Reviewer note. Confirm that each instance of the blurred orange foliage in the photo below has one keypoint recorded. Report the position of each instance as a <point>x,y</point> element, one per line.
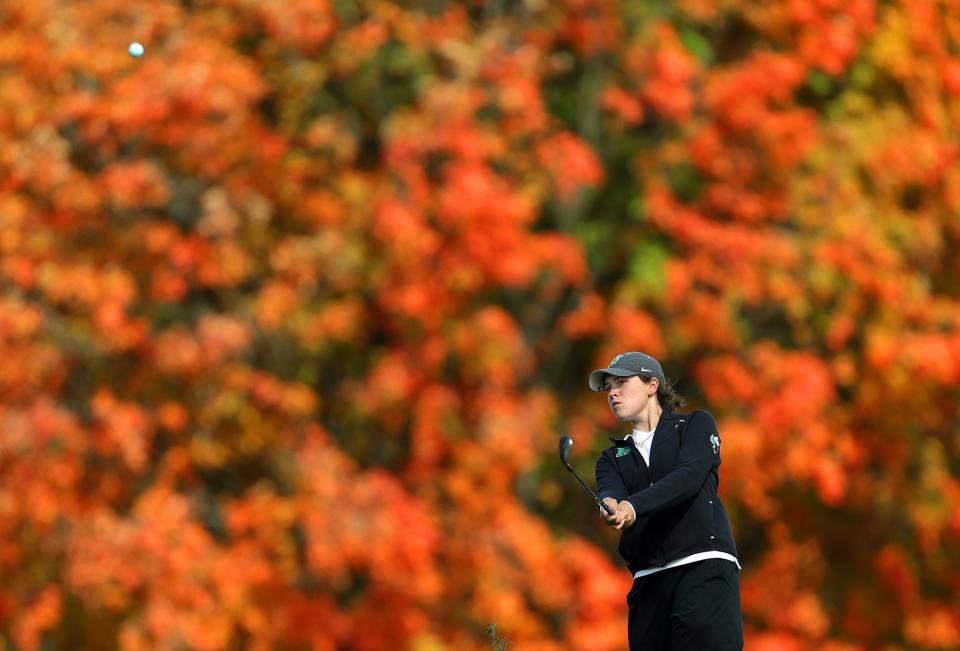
<point>293,308</point>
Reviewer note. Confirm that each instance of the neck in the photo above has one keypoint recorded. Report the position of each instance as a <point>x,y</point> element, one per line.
<point>649,418</point>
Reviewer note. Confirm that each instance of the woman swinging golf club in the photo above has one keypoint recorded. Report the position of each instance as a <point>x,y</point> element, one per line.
<point>661,483</point>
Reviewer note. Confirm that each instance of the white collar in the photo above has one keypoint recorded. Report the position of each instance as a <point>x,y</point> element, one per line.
<point>640,438</point>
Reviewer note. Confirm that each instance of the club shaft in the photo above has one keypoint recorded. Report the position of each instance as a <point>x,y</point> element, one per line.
<point>596,498</point>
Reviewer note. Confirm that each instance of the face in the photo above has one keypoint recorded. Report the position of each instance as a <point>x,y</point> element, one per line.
<point>629,397</point>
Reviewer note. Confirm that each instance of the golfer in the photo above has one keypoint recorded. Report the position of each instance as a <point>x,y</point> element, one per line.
<point>661,481</point>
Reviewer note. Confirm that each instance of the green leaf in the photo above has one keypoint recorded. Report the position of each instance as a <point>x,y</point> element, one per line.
<point>697,45</point>
<point>647,266</point>
<point>819,83</point>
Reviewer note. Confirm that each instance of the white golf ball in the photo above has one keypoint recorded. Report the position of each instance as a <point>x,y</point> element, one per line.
<point>135,49</point>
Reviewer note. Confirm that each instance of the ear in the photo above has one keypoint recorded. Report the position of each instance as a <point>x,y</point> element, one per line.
<point>653,385</point>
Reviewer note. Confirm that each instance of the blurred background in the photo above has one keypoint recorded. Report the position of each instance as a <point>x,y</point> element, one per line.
<point>295,306</point>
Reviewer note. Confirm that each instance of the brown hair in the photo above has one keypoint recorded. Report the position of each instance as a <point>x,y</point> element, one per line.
<point>667,396</point>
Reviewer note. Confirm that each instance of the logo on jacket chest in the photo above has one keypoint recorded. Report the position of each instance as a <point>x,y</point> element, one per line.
<point>715,443</point>
<point>622,452</point>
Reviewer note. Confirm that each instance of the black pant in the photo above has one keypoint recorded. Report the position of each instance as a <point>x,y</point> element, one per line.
<point>693,607</point>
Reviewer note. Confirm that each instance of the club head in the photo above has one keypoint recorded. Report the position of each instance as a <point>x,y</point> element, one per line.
<point>566,445</point>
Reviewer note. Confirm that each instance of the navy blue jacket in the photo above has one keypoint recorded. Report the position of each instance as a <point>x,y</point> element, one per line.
<point>678,510</point>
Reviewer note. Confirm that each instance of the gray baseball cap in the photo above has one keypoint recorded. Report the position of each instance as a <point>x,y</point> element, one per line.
<point>627,364</point>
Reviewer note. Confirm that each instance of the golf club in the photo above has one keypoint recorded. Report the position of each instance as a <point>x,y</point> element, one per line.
<point>566,444</point>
